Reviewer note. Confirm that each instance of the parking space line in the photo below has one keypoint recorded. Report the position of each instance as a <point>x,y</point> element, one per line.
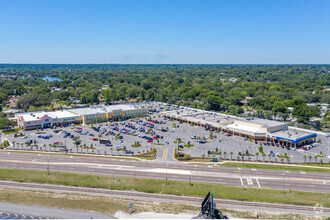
<point>249,181</point>
<point>241,181</point>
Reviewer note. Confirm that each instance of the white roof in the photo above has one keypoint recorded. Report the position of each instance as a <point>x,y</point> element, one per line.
<point>87,111</point>
<point>61,114</point>
<point>110,108</point>
<point>101,109</point>
<point>31,116</point>
<point>244,128</point>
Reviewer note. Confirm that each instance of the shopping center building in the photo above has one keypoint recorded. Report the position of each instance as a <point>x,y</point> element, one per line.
<point>253,128</point>
<point>89,115</point>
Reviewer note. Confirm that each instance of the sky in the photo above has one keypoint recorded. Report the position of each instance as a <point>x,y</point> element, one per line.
<point>165,31</point>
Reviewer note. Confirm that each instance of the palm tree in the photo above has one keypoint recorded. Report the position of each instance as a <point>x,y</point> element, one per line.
<point>231,155</point>
<point>305,158</point>
<point>225,153</point>
<point>17,145</point>
<point>50,147</point>
<point>270,157</point>
<point>310,158</point>
<point>14,144</point>
<point>288,159</point>
<point>315,158</point>
<point>45,146</point>
<point>257,154</point>
<point>22,145</point>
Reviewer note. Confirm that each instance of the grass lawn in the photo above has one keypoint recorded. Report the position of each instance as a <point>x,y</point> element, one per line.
<point>277,167</point>
<point>173,187</point>
<point>188,145</point>
<point>11,131</point>
<point>99,204</point>
<point>74,155</point>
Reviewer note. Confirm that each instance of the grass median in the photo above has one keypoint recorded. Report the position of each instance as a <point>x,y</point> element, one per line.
<point>173,187</point>
<point>301,168</point>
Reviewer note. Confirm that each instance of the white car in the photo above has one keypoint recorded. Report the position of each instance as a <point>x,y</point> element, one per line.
<point>25,137</point>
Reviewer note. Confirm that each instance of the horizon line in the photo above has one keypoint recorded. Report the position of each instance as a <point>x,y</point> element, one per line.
<point>164,64</point>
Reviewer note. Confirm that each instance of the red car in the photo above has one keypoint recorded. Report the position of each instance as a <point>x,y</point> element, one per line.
<point>149,141</point>
<point>155,137</point>
<point>95,139</point>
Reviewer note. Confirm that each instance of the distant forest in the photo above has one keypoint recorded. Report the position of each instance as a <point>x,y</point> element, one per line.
<point>264,90</point>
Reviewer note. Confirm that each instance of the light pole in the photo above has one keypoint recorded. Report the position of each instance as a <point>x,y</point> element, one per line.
<point>283,181</point>
<point>166,171</point>
<point>48,166</point>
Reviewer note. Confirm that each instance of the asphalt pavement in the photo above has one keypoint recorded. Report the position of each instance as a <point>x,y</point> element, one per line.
<point>18,211</point>
<point>258,178</point>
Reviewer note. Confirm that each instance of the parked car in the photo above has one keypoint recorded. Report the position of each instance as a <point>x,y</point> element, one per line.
<point>95,139</point>
<point>64,149</point>
<point>202,142</point>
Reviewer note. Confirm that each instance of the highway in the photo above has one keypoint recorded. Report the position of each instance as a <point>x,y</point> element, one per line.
<point>272,179</point>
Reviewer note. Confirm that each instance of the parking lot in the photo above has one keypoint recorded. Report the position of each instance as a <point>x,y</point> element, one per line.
<point>137,136</point>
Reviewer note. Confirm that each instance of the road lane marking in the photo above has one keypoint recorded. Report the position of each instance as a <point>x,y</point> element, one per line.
<point>287,171</point>
<point>249,181</point>
<point>254,169</point>
<point>303,172</point>
<point>241,181</point>
<point>258,183</point>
